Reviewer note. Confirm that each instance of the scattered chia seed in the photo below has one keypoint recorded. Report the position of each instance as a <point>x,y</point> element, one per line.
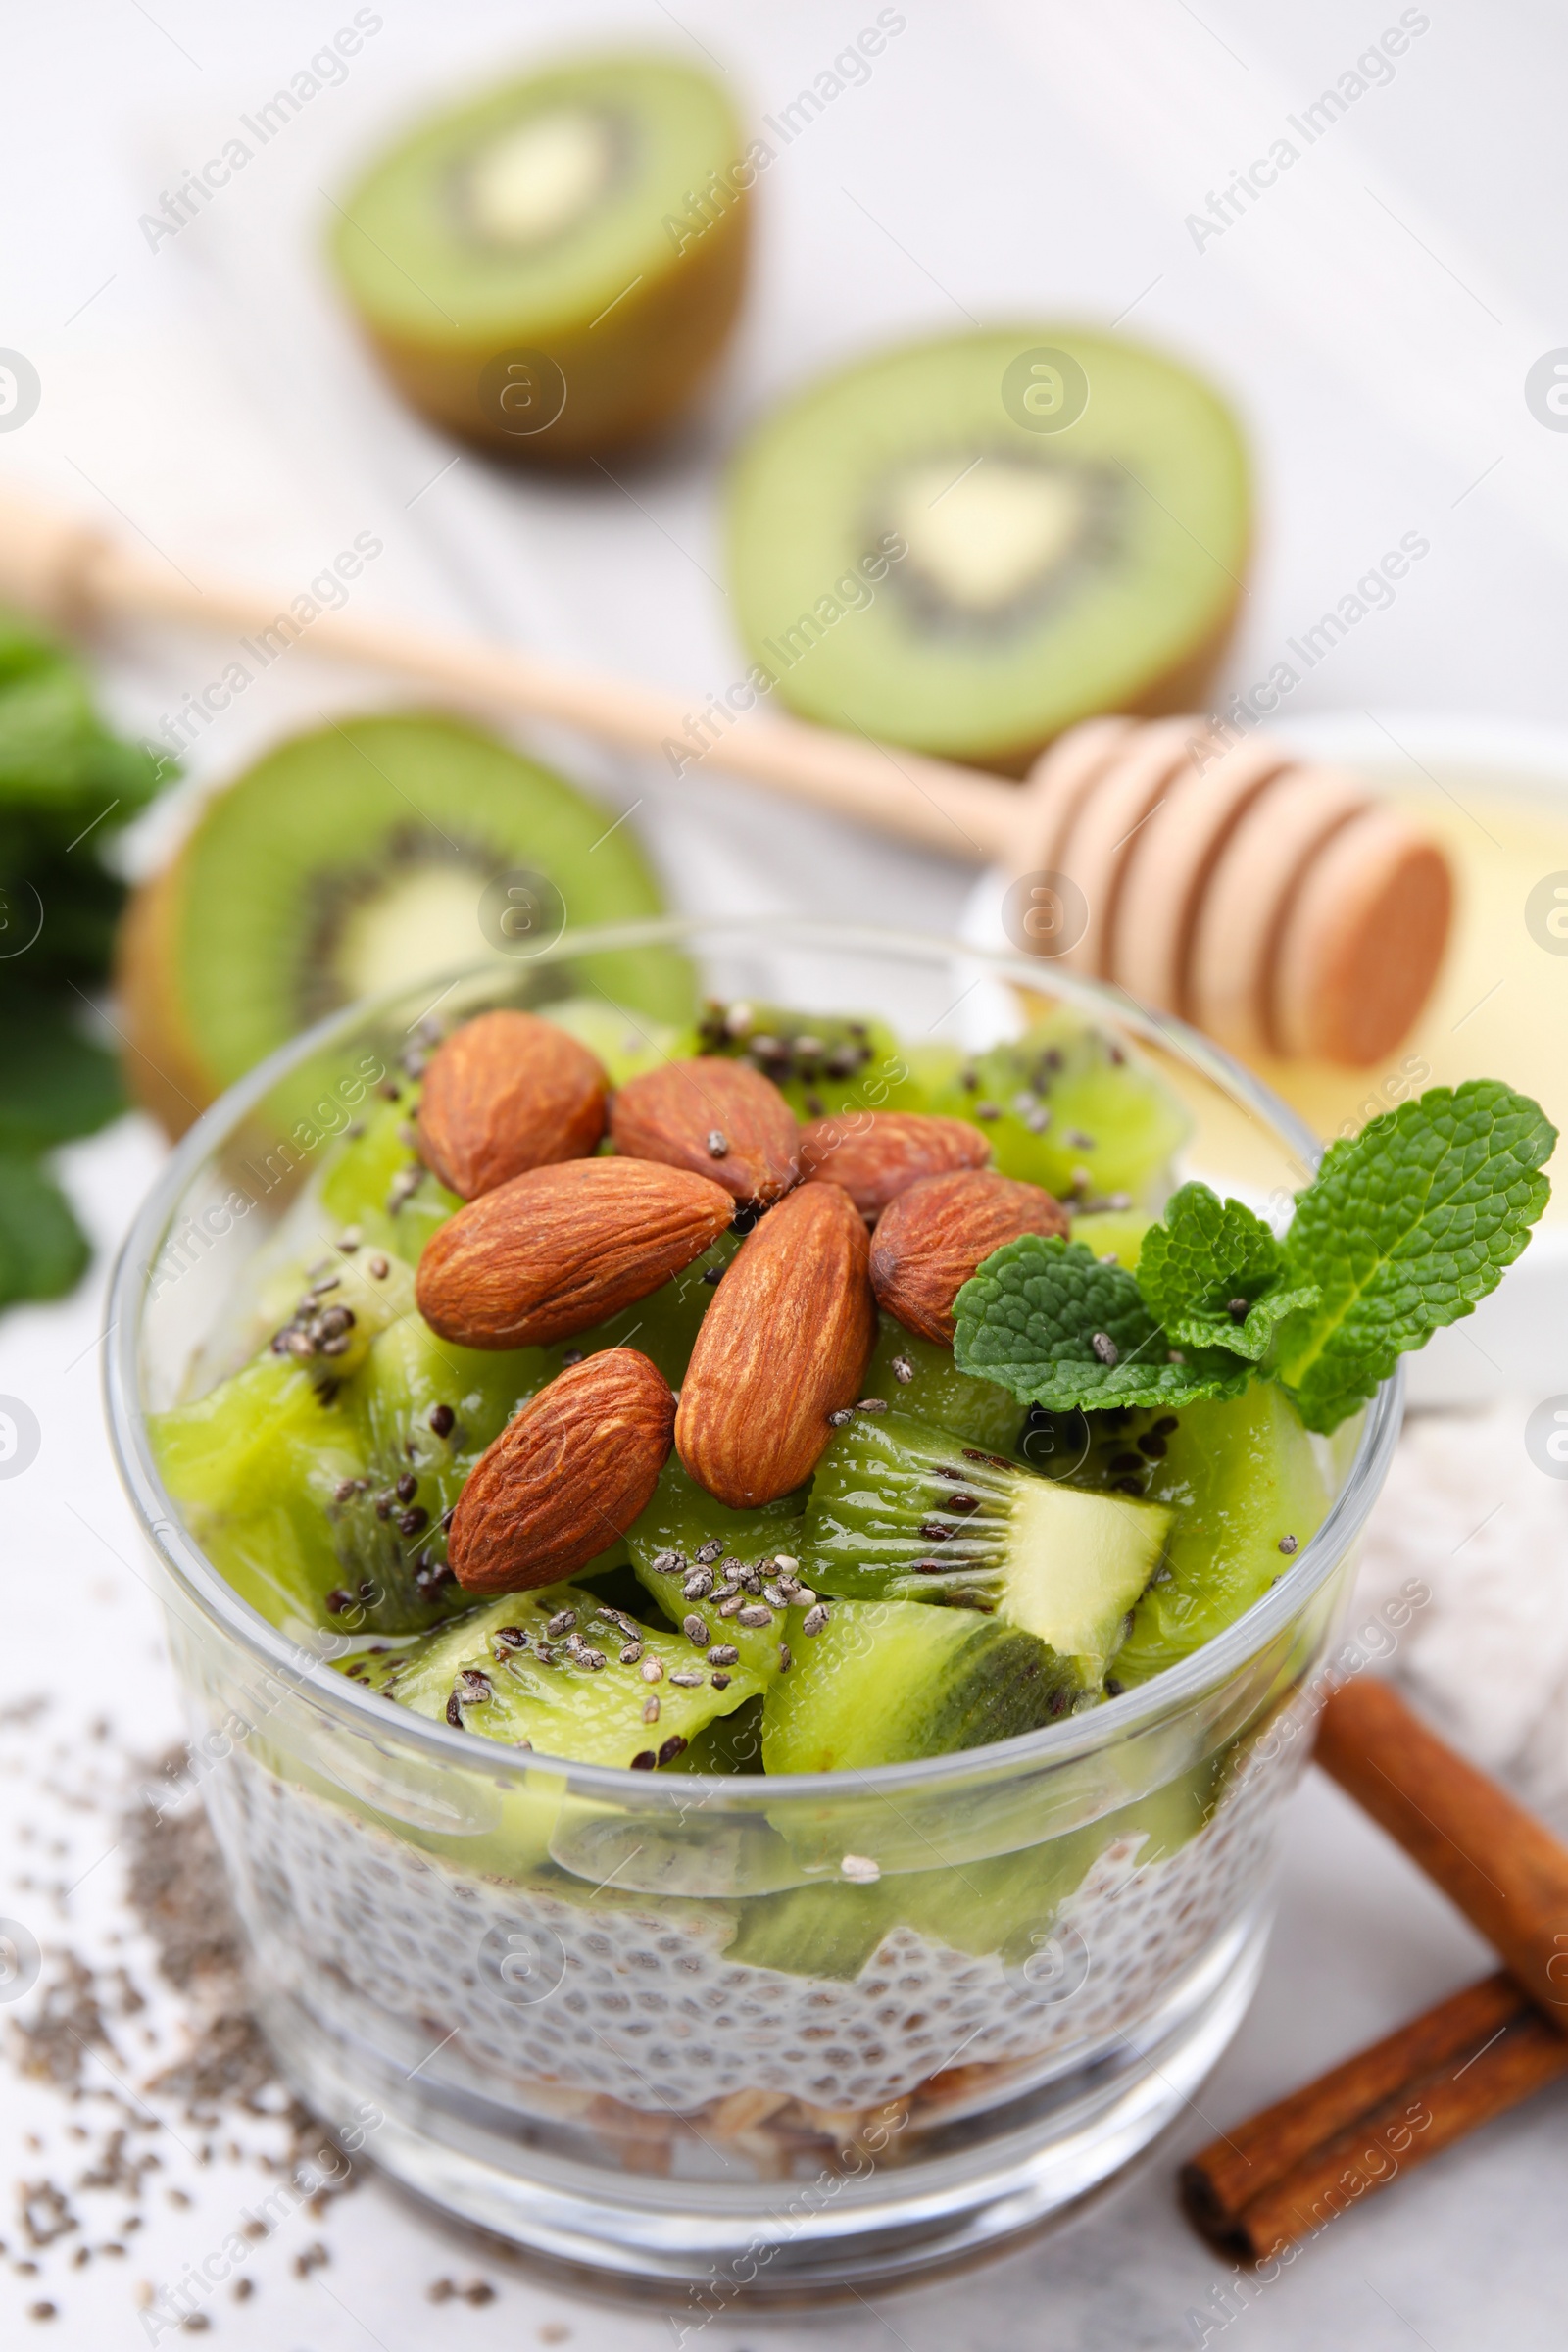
<point>785,1661</point>
<point>723,1654</point>
<point>644,1761</point>
<point>1288,1543</point>
<point>698,1585</point>
<point>672,1747</point>
<point>720,1681</point>
<point>653,1670</point>
<point>665,1563</point>
<point>814,1620</point>
<point>651,1708</point>
<point>1238,1309</point>
<point>718,1144</point>
<point>442,1420</point>
<point>871,1404</point>
<point>713,1275</point>
<point>758,1615</point>
<point>633,1654</point>
<point>903,1370</point>
<point>860,1870</point>
<point>695,1629</point>
<point>570,1356</point>
<point>1104,1347</point>
<point>687,1682</point>
<point>563,1622</point>
<point>732,1604</point>
<point>379,1268</point>
<point>841,1418</point>
<point>987,1110</point>
<point>706,1553</point>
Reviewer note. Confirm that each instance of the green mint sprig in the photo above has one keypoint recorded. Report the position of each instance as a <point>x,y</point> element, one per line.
<point>1061,1328</point>
<point>1404,1229</point>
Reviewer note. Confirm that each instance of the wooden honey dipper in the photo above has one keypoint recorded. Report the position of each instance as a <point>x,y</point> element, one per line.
<point>1275,903</point>
<point>1278,905</point>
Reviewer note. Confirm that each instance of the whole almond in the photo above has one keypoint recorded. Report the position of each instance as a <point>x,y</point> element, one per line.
<point>715,1118</point>
<point>876,1154</point>
<point>506,1093</point>
<point>564,1478</point>
<point>785,1343</point>
<point>559,1249</point>
<point>930,1239</point>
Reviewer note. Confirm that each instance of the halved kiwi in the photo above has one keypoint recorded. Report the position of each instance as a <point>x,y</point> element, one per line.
<point>968,545</point>
<point>550,269</point>
<point>375,852</point>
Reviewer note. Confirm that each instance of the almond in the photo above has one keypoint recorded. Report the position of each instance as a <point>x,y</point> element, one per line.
<point>715,1118</point>
<point>876,1154</point>
<point>506,1093</point>
<point>562,1248</point>
<point>932,1237</point>
<point>564,1478</point>
<point>785,1343</point>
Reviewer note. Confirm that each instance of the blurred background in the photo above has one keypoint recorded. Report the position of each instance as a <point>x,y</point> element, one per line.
<point>1382,314</point>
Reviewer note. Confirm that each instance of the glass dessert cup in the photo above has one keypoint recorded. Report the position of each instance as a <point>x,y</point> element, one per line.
<point>746,2032</point>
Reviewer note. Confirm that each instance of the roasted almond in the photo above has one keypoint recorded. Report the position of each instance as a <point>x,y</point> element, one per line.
<point>565,1477</point>
<point>930,1239</point>
<point>715,1118</point>
<point>506,1093</point>
<point>562,1248</point>
<point>876,1154</point>
<point>784,1344</point>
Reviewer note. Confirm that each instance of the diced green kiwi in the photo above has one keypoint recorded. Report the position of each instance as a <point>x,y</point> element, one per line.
<point>664,1326</point>
<point>696,1557</point>
<point>822,1062</point>
<point>551,269</point>
<point>626,1043</point>
<point>884,1682</point>
<point>358,858</point>
<point>920,1380</point>
<point>373,1186</point>
<point>922,548</point>
<point>899,1511</point>
<point>1067,1107</point>
<point>557,1671</point>
<point>1244,1483</point>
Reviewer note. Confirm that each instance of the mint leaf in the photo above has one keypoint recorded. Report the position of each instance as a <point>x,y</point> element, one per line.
<point>1207,1257</point>
<point>1030,1319</point>
<point>42,1250</point>
<point>1404,1229</point>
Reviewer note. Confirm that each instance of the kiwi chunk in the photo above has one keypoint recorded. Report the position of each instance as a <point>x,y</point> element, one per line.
<point>899,1511</point>
<point>546,1670</point>
<point>358,858</point>
<point>822,1063</point>
<point>921,548</point>
<point>708,1566</point>
<point>1243,1480</point>
<point>1066,1106</point>
<point>887,1681</point>
<point>921,1382</point>
<point>552,269</point>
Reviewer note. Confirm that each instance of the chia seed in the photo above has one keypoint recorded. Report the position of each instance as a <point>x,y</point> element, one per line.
<point>785,1661</point>
<point>1288,1543</point>
<point>695,1629</point>
<point>644,1761</point>
<point>706,1553</point>
<point>562,1623</point>
<point>870,1404</point>
<point>442,1420</point>
<point>687,1682</point>
<point>699,1584</point>
<point>720,1681</point>
<point>755,1616</point>
<point>718,1144</point>
<point>379,1268</point>
<point>653,1670</point>
<point>667,1564</point>
<point>651,1708</point>
<point>723,1654</point>
<point>841,1418</point>
<point>814,1620</point>
<point>1104,1347</point>
<point>631,1656</point>
<point>1238,1309</point>
<point>903,1370</point>
<point>672,1747</point>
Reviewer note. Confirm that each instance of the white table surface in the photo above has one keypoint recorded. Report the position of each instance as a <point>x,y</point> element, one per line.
<point>1374,319</point>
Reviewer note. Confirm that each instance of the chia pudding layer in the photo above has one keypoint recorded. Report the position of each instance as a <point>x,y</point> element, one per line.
<point>626,2010</point>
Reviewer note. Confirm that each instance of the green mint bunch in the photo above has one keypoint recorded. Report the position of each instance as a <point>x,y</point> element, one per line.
<point>1406,1228</point>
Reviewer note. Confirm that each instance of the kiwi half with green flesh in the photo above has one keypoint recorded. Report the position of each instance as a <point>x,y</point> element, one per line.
<point>353,860</point>
<point>1067,1107</point>
<point>899,1511</point>
<point>1243,1480</point>
<point>557,1671</point>
<point>551,269</point>
<point>887,1681</point>
<point>922,548</point>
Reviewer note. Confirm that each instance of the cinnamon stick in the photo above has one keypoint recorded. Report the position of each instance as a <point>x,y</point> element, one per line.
<point>1293,2169</point>
<point>1504,1869</point>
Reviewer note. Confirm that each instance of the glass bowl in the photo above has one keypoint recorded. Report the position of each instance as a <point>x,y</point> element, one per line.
<point>747,2033</point>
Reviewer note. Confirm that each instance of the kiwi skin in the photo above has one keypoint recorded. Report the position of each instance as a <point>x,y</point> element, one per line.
<point>162,1068</point>
<point>626,378</point>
